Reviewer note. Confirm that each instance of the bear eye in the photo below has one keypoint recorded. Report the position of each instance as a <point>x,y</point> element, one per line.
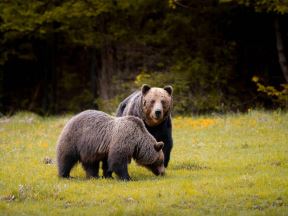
<point>163,101</point>
<point>152,101</point>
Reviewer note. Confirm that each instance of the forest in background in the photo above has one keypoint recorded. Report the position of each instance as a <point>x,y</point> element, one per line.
<point>67,56</point>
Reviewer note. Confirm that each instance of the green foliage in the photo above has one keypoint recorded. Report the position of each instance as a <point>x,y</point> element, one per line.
<point>110,105</point>
<point>220,165</point>
<point>270,6</point>
<point>197,85</point>
<point>188,44</point>
<point>38,18</point>
<point>121,90</point>
<point>279,96</point>
<point>72,96</point>
<point>80,101</point>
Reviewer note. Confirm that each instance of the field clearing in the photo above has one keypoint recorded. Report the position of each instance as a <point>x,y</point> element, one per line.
<point>235,164</point>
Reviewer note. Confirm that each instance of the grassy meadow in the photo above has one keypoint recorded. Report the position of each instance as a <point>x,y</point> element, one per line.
<point>235,164</point>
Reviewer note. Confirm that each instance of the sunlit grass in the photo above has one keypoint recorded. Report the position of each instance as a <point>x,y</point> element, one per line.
<point>232,164</point>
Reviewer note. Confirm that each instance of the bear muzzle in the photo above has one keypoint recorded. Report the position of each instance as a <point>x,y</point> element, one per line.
<point>157,170</point>
<point>161,170</point>
<point>158,114</point>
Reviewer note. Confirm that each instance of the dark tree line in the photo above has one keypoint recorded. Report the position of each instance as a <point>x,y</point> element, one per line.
<point>58,56</point>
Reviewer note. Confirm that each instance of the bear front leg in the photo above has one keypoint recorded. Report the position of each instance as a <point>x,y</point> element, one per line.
<point>167,151</point>
<point>168,143</point>
<point>121,170</point>
<point>92,169</point>
<point>118,159</point>
<point>163,132</point>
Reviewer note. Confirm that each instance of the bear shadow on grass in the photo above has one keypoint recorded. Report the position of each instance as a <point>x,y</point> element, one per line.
<point>138,178</point>
<point>141,175</point>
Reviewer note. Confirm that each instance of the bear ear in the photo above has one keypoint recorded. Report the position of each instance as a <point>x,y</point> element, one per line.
<point>158,146</point>
<point>145,88</point>
<point>169,89</point>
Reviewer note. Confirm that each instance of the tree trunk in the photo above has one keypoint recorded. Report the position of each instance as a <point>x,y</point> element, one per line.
<point>45,75</point>
<point>280,49</point>
<point>107,70</point>
<point>1,90</point>
<point>52,47</point>
<point>93,75</point>
<point>49,79</point>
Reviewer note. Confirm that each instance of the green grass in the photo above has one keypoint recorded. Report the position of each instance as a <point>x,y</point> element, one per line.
<point>234,164</point>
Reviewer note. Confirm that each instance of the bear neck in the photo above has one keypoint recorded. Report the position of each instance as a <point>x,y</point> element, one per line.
<point>144,153</point>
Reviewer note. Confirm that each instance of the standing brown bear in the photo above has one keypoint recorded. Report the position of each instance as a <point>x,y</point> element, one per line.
<point>153,106</point>
<point>93,136</point>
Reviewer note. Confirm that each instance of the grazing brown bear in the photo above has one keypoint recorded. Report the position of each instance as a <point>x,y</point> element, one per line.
<point>153,106</point>
<point>93,136</point>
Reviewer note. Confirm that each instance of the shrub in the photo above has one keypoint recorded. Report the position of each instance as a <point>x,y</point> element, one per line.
<point>198,86</point>
<point>278,96</point>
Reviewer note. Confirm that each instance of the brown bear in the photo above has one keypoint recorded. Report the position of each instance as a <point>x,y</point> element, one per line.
<point>153,106</point>
<point>93,136</point>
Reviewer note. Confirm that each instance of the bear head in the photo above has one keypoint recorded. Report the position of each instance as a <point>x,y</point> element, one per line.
<point>156,104</point>
<point>157,166</point>
<point>147,152</point>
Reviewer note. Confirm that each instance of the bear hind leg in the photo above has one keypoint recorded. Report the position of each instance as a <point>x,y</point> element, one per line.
<point>65,165</point>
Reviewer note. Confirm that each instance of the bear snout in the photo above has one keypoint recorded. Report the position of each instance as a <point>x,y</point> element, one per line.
<point>161,170</point>
<point>158,113</point>
<point>157,170</point>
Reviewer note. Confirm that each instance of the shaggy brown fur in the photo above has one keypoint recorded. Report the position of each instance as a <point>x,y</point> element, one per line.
<point>153,105</point>
<point>93,136</point>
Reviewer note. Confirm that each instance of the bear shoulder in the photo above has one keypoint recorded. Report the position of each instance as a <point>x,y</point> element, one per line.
<point>136,120</point>
<point>132,122</point>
